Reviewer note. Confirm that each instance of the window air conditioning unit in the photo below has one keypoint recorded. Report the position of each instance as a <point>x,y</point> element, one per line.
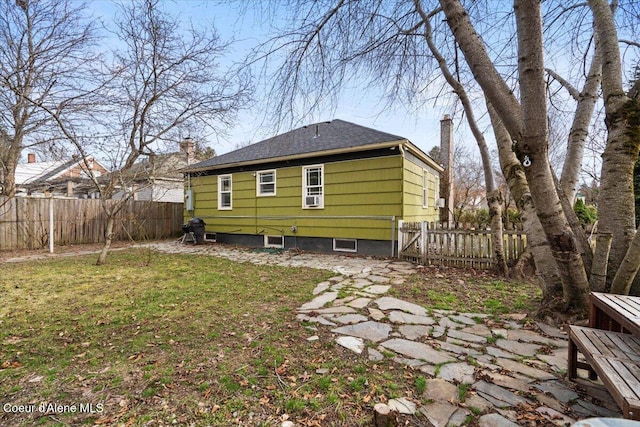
<point>313,201</point>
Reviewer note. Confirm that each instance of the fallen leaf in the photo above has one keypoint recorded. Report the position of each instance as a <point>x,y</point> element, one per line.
<point>7,364</point>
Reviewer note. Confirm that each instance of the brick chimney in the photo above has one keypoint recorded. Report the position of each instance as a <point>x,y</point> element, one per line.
<point>31,158</point>
<point>446,158</point>
<point>188,146</point>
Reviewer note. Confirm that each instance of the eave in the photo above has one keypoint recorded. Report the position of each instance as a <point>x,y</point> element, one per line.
<point>404,143</point>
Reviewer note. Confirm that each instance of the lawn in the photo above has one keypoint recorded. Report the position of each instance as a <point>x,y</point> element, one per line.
<point>157,339</point>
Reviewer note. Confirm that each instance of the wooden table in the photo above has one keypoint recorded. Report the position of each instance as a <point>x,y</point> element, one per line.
<point>618,313</point>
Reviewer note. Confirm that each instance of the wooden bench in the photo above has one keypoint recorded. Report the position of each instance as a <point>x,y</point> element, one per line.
<point>618,313</point>
<point>612,356</point>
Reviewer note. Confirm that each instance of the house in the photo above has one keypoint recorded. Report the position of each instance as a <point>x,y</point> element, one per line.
<point>158,177</point>
<point>68,178</point>
<point>329,186</point>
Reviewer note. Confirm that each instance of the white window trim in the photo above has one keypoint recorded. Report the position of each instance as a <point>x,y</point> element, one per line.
<point>436,192</point>
<point>355,241</point>
<point>304,187</point>
<point>259,193</point>
<point>268,245</point>
<point>220,207</point>
<point>425,188</point>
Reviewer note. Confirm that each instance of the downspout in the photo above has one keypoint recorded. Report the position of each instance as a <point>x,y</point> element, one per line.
<point>255,201</point>
<point>393,235</point>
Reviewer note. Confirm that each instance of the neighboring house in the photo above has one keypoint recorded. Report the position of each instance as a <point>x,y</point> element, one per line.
<point>330,186</point>
<point>70,178</point>
<point>158,178</point>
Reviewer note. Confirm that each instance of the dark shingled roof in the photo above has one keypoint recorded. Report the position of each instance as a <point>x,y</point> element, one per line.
<point>318,137</point>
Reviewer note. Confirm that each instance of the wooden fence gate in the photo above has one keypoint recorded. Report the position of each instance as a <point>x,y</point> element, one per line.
<point>423,243</point>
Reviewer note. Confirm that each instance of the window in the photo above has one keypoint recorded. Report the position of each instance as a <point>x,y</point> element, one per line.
<point>313,186</point>
<point>274,241</point>
<point>266,183</point>
<point>345,245</point>
<point>437,192</point>
<point>425,187</point>
<point>224,192</point>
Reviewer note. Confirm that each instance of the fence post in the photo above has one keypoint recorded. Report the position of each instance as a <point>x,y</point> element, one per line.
<point>51,225</point>
<point>423,243</point>
<point>400,236</point>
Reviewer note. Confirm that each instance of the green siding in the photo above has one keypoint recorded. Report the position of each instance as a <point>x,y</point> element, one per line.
<point>360,197</point>
<point>412,194</point>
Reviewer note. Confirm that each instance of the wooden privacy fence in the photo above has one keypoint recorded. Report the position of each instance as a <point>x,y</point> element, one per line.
<point>421,242</point>
<point>25,221</point>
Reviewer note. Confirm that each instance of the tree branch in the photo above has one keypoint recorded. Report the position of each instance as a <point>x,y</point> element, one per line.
<point>575,94</point>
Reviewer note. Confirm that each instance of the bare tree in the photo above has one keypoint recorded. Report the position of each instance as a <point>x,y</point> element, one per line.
<point>469,179</point>
<point>385,43</point>
<point>44,48</point>
<point>537,243</point>
<point>585,105</point>
<point>493,196</point>
<point>163,79</point>
<point>526,123</point>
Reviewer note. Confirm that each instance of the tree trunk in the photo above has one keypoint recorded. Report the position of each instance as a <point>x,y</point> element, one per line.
<point>9,184</point>
<point>494,199</point>
<point>598,279</point>
<point>525,261</point>
<point>628,268</point>
<point>546,266</point>
<point>534,146</point>
<point>108,238</point>
<point>493,85</point>
<point>586,101</point>
<point>383,416</point>
<point>9,165</point>
<point>494,203</point>
<point>616,204</point>
<point>527,125</point>
<point>582,242</point>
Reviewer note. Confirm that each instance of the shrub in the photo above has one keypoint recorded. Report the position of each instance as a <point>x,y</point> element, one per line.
<point>586,214</point>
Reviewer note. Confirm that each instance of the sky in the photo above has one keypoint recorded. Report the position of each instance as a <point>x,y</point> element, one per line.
<point>248,29</point>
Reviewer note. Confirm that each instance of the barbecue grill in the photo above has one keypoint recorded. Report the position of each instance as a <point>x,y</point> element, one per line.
<point>194,231</point>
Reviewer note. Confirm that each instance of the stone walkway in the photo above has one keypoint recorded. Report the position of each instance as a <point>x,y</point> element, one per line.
<point>501,364</point>
<point>507,370</point>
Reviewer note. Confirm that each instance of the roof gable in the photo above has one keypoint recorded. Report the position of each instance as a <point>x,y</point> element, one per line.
<point>29,172</point>
<point>316,138</point>
<point>158,167</point>
<point>40,172</point>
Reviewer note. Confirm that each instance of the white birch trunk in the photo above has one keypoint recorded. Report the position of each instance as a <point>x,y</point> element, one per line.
<point>545,263</point>
<point>527,124</point>
<point>616,204</point>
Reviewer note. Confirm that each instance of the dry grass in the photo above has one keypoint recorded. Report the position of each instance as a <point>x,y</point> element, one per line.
<point>158,339</point>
